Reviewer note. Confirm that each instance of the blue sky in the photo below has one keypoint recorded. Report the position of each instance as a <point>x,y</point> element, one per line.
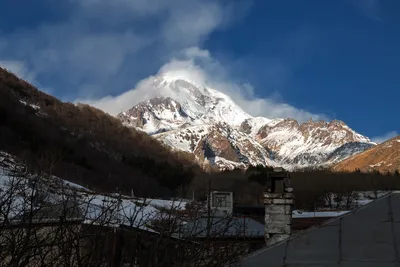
<point>303,59</point>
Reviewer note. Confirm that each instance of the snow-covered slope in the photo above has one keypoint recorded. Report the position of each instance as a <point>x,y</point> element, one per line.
<point>309,144</point>
<point>220,143</point>
<point>23,192</point>
<point>156,115</point>
<point>196,118</point>
<point>181,103</point>
<point>347,150</point>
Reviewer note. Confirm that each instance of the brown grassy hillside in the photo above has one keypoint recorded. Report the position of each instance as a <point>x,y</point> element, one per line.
<point>384,158</point>
<point>85,144</point>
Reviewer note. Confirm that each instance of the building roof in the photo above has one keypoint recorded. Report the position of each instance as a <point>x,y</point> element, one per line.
<point>223,227</point>
<point>369,236</point>
<point>55,213</point>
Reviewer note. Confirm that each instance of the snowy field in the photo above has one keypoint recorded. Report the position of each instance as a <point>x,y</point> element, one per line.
<point>17,191</point>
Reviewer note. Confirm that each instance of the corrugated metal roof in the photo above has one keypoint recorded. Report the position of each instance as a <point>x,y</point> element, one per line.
<point>223,227</point>
<point>369,236</point>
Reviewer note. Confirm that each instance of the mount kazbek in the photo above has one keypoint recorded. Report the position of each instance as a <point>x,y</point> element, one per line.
<point>196,118</point>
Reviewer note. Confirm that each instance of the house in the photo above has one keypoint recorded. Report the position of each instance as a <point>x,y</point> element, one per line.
<point>368,236</point>
<point>221,203</point>
<point>300,220</point>
<point>76,234</point>
<point>225,231</point>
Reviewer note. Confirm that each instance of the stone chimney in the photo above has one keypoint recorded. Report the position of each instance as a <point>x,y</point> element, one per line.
<point>278,201</point>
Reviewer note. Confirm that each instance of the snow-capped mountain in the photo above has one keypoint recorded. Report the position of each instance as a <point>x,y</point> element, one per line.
<point>196,118</point>
<point>220,143</point>
<point>307,144</point>
<point>182,103</point>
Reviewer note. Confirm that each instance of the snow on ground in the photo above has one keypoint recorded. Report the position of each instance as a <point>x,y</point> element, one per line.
<point>225,164</point>
<point>188,139</point>
<point>31,105</point>
<point>377,164</point>
<point>168,204</point>
<point>130,211</point>
<point>74,185</point>
<point>359,199</point>
<point>106,209</point>
<point>102,209</point>
<point>13,202</point>
<point>312,214</point>
<point>185,139</point>
<point>256,123</point>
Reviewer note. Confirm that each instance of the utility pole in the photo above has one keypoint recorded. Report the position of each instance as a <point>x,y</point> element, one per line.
<point>209,207</point>
<point>207,171</point>
<point>117,237</point>
<point>116,248</point>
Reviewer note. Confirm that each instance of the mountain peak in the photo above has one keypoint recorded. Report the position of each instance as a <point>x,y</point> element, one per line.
<point>184,102</point>
<point>337,122</point>
<point>173,76</point>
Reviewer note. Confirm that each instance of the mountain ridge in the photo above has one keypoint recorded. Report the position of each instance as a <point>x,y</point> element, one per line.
<point>196,118</point>
<point>384,157</point>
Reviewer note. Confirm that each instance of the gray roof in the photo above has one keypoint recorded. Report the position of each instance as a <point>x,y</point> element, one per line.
<point>369,236</point>
<point>223,227</point>
<point>68,211</point>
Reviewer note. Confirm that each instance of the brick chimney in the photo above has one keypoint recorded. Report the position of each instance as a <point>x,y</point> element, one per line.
<point>278,201</point>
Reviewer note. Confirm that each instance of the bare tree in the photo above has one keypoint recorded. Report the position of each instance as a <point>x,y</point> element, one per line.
<point>45,221</point>
<point>350,199</point>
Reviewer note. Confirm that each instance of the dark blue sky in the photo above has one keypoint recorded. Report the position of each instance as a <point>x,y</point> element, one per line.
<point>338,58</point>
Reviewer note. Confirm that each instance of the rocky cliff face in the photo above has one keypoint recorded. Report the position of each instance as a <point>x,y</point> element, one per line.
<point>221,144</point>
<point>198,119</point>
<point>306,144</point>
<point>158,114</point>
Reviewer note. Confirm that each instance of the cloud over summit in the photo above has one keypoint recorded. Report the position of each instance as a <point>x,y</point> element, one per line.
<point>98,49</point>
<point>200,68</point>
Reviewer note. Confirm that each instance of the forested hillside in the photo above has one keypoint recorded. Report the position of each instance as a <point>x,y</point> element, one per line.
<point>85,145</point>
<point>310,186</point>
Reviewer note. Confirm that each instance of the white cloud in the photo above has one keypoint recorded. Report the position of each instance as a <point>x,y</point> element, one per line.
<point>195,52</point>
<point>104,46</point>
<point>192,25</point>
<point>199,67</point>
<point>385,137</point>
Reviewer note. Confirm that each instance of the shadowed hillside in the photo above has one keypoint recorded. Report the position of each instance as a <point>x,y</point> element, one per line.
<point>85,145</point>
<point>310,186</point>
